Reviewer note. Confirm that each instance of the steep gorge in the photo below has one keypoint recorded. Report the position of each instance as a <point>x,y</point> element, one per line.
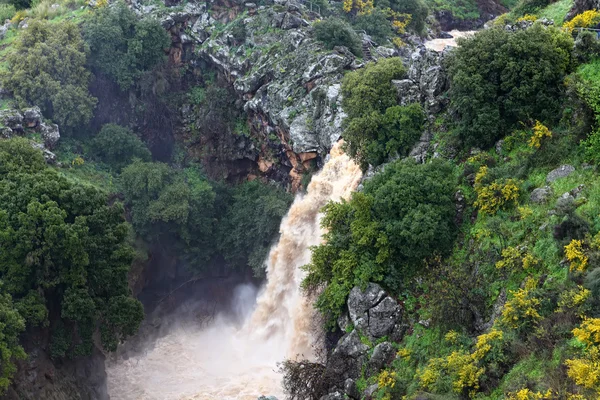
<point>236,356</point>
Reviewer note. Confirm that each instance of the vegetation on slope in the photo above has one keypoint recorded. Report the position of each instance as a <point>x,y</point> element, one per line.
<point>502,297</point>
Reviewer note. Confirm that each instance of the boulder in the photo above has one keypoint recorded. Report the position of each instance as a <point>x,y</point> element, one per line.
<point>370,391</point>
<point>359,303</point>
<point>383,354</point>
<point>373,312</point>
<point>351,390</point>
<point>12,119</point>
<point>50,134</point>
<point>383,318</point>
<point>540,195</point>
<point>560,172</point>
<point>346,360</point>
<point>32,117</point>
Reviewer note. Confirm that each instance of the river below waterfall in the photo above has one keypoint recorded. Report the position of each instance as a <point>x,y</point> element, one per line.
<point>235,356</point>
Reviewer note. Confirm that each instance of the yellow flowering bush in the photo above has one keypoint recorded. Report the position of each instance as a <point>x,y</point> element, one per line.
<point>576,256</point>
<point>573,299</point>
<point>498,194</point>
<point>362,7</point>
<point>588,332</point>
<point>486,342</point>
<point>404,353</point>
<point>514,258</point>
<point>451,337</point>
<point>528,17</point>
<point>386,379</point>
<point>540,131</point>
<point>586,19</point>
<point>526,394</point>
<point>585,371</point>
<point>522,308</point>
<point>464,368</point>
<point>77,161</point>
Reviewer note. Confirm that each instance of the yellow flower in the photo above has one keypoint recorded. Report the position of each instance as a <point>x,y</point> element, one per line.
<point>576,256</point>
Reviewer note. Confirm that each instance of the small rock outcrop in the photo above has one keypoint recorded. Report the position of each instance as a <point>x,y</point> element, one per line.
<point>383,354</point>
<point>373,312</point>
<point>540,195</point>
<point>426,80</point>
<point>30,120</point>
<point>346,360</point>
<point>560,172</point>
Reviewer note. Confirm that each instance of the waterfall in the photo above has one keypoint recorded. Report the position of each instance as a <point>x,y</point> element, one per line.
<point>226,361</point>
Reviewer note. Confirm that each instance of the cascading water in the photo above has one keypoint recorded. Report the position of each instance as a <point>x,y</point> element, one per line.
<point>225,361</point>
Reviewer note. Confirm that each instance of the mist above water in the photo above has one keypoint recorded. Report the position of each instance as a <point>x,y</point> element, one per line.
<point>235,355</point>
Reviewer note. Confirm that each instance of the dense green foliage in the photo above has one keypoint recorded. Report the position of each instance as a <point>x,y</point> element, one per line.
<point>246,230</point>
<point>47,68</point>
<point>66,253</point>
<point>500,79</point>
<point>118,146</point>
<point>336,32</point>
<point>122,46</point>
<point>383,234</point>
<point>11,326</point>
<point>376,128</point>
<point>174,204</point>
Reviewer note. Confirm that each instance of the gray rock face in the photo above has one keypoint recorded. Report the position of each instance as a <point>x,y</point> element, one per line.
<point>383,354</point>
<point>360,302</point>
<point>426,80</point>
<point>12,119</point>
<point>50,134</point>
<point>347,359</point>
<point>373,312</point>
<point>565,203</point>
<point>370,391</point>
<point>560,172</point>
<point>32,117</point>
<point>267,398</point>
<point>540,195</point>
<point>351,390</point>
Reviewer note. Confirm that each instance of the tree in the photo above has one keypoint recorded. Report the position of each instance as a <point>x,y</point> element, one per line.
<point>336,32</point>
<point>376,128</point>
<point>499,78</point>
<point>66,253</point>
<point>118,146</point>
<point>252,219</point>
<point>47,69</point>
<point>416,8</point>
<point>374,138</point>
<point>177,205</point>
<point>11,326</point>
<point>384,233</point>
<point>122,46</point>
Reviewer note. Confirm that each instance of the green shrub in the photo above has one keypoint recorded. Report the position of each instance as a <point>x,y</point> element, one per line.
<point>375,24</point>
<point>7,11</point>
<point>416,8</point>
<point>118,146</point>
<point>499,78</point>
<point>375,127</point>
<point>47,69</point>
<point>336,32</point>
<point>374,138</point>
<point>122,46</point>
<point>384,233</point>
<point>252,219</point>
<point>66,253</point>
<point>177,205</point>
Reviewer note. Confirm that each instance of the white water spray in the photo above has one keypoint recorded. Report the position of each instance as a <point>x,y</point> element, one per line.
<point>227,362</point>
